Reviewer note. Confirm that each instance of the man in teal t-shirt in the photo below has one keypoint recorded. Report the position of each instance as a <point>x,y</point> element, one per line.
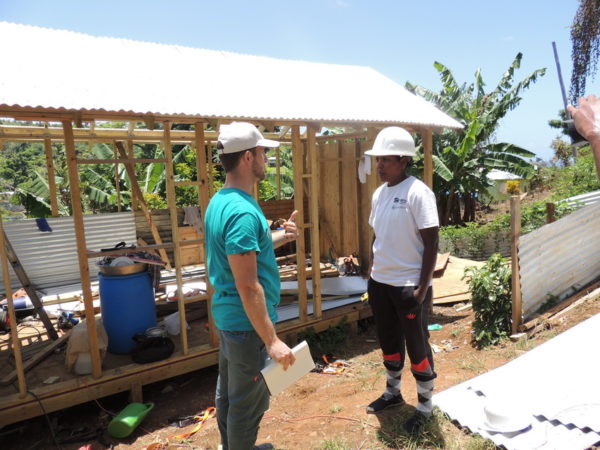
<point>243,272</point>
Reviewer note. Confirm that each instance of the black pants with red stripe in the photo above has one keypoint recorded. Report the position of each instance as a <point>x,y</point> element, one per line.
<point>401,324</point>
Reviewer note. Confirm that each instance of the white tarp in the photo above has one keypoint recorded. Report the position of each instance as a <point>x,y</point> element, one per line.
<point>556,384</point>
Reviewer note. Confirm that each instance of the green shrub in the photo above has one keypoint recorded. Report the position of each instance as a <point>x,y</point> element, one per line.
<point>490,288</point>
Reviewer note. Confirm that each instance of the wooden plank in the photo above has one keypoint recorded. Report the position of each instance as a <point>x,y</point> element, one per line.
<point>171,201</point>
<point>297,157</point>
<point>364,204</point>
<point>314,214</point>
<point>137,192</point>
<point>35,360</point>
<point>82,248</point>
<point>466,296</point>
<point>515,232</point>
<point>51,177</point>
<point>427,137</point>
<point>350,221</point>
<point>14,334</point>
<point>329,204</point>
<point>81,389</point>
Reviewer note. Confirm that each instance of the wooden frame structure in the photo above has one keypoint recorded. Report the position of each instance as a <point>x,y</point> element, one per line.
<point>336,218</point>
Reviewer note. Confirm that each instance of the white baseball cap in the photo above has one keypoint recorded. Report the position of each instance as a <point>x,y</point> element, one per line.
<point>393,141</point>
<point>239,136</point>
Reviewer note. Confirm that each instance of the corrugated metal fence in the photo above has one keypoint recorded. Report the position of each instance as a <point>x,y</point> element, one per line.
<point>559,258</point>
<point>588,198</point>
<point>50,258</point>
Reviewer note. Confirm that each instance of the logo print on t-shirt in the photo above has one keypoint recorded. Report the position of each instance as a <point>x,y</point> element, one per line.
<point>399,203</point>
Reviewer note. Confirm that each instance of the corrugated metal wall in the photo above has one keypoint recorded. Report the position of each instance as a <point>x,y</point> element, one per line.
<point>50,258</point>
<point>559,258</point>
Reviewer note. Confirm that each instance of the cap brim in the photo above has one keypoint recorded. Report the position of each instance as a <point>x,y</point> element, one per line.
<point>267,143</point>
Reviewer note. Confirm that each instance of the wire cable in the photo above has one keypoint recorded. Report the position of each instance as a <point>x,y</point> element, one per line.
<point>47,420</point>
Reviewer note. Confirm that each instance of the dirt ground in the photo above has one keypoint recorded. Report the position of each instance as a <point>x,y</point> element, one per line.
<point>321,411</point>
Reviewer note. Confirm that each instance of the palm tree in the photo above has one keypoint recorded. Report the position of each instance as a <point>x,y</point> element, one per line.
<point>462,159</point>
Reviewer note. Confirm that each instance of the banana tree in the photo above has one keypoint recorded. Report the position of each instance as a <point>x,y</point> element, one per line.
<point>462,159</point>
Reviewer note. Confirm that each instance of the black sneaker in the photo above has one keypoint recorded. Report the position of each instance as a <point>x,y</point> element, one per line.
<point>414,424</point>
<point>382,403</point>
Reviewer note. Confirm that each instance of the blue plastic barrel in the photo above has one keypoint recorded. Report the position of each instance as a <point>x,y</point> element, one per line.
<point>127,307</point>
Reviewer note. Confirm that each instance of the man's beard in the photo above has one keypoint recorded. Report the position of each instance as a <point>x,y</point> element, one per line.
<point>257,172</point>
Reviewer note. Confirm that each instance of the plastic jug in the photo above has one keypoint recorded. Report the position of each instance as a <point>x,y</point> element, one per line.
<point>128,419</point>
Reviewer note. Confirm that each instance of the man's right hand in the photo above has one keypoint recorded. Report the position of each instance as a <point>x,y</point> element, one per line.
<point>587,117</point>
<point>280,352</point>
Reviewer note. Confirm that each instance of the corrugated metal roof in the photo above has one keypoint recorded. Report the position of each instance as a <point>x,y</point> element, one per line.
<point>559,258</point>
<point>63,69</point>
<point>50,258</point>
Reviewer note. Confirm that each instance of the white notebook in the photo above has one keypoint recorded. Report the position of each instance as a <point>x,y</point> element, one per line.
<point>278,379</point>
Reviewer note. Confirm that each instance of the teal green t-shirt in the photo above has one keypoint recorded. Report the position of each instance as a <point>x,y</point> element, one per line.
<point>234,223</point>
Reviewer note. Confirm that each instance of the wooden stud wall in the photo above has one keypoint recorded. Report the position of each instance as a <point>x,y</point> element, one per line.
<point>333,209</point>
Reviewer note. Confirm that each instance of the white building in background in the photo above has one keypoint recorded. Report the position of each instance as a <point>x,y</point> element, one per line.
<point>499,178</point>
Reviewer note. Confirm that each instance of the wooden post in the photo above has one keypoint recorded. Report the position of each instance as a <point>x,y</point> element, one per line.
<point>515,232</point>
<point>297,156</point>
<point>51,177</point>
<point>278,171</point>
<point>175,232</point>
<point>117,178</point>
<point>130,155</point>
<point>315,250</point>
<point>84,270</point>
<point>14,333</point>
<point>427,136</point>
<point>211,180</point>
<point>203,198</point>
<point>550,209</point>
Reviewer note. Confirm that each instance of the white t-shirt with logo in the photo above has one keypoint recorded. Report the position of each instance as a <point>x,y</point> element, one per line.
<point>397,214</point>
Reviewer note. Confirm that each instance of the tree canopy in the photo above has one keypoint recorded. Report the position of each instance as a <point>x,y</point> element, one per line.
<point>462,159</point>
<point>585,37</point>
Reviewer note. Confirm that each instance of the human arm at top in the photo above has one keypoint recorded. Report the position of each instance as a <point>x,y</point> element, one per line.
<point>587,121</point>
<point>244,269</point>
<point>288,234</point>
<point>430,244</point>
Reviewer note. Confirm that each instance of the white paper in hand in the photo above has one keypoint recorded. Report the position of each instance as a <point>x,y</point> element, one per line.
<point>278,379</point>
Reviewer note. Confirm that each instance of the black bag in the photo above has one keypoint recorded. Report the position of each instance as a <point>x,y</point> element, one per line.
<point>150,349</point>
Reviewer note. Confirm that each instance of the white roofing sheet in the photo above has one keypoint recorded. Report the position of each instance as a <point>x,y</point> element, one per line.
<point>496,174</point>
<point>554,385</point>
<point>63,69</point>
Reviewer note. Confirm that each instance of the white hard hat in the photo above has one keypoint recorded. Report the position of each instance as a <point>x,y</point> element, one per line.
<point>393,141</point>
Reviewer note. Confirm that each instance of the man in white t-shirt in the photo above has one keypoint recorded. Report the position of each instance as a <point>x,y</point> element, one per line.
<point>405,223</point>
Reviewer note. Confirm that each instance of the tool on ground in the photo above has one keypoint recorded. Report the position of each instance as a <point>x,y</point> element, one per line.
<point>199,419</point>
